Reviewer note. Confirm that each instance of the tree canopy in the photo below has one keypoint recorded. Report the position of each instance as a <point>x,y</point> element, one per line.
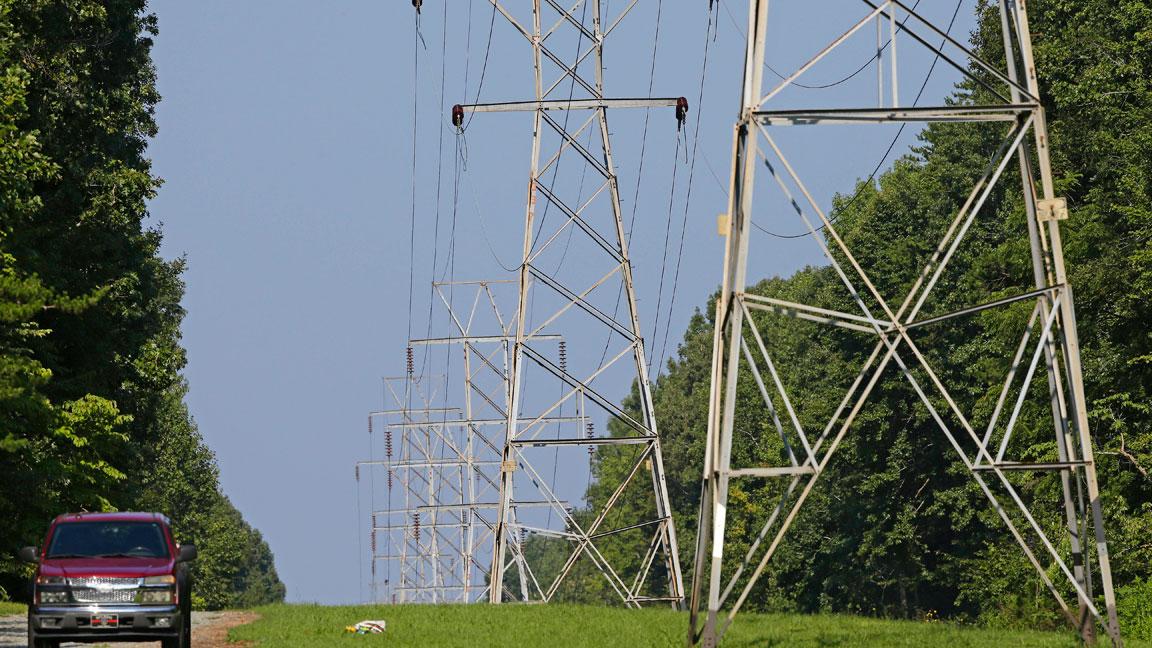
<point>91,395</point>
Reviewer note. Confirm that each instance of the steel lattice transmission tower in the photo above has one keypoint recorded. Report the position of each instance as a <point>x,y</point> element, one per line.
<point>442,464</point>
<point>481,335</point>
<point>745,327</point>
<point>425,534</point>
<point>574,266</point>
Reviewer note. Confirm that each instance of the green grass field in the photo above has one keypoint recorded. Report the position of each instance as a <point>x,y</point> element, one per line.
<point>567,625</point>
<point>8,608</point>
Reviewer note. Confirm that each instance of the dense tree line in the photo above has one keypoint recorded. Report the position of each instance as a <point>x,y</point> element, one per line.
<point>91,396</point>
<point>896,526</point>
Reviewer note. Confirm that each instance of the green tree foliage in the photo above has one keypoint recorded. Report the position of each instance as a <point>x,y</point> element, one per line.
<point>896,527</point>
<point>91,411</point>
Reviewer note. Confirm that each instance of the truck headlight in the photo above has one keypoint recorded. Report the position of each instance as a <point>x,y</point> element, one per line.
<point>167,579</point>
<point>53,597</point>
<point>157,596</point>
<point>49,580</point>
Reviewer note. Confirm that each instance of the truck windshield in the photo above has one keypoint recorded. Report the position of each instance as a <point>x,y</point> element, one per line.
<point>108,539</point>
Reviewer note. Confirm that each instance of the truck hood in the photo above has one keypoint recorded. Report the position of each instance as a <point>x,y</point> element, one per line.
<point>114,567</point>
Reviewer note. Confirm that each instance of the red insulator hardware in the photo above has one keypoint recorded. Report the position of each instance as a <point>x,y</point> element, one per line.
<point>411,361</point>
<point>416,527</point>
<point>563,356</point>
<point>458,116</point>
<point>417,4</point>
<point>388,443</point>
<point>373,540</point>
<point>389,479</point>
<point>681,112</point>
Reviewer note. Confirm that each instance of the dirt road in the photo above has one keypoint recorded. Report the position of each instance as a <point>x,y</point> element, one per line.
<point>209,630</point>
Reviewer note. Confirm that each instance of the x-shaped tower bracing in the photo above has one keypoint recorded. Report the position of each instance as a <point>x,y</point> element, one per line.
<point>742,343</point>
<point>426,532</point>
<point>423,464</point>
<point>574,276</point>
<point>483,334</point>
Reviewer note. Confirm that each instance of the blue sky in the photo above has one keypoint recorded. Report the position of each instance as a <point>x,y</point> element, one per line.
<point>286,147</point>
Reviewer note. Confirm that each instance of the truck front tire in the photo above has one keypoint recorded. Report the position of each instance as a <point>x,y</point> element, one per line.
<point>184,639</point>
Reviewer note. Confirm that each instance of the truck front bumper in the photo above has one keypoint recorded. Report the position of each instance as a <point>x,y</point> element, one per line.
<point>74,622</point>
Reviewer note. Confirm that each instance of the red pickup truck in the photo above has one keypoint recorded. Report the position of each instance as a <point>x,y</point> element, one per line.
<point>110,577</point>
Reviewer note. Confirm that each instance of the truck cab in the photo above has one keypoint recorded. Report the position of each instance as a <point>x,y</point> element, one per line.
<point>107,577</point>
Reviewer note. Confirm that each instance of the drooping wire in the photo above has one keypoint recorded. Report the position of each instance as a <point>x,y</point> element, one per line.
<point>824,86</point>
<point>484,66</point>
<point>639,170</point>
<point>450,262</point>
<point>687,205</point>
<point>462,141</point>
<point>644,133</point>
<point>892,145</point>
<point>667,240</point>
<point>415,132</point>
<point>439,183</point>
<point>419,32</point>
<point>640,175</point>
<point>449,271</point>
<point>484,227</point>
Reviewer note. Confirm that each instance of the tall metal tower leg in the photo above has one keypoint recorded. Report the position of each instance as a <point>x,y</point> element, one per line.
<point>1070,338</point>
<point>1043,279</point>
<point>726,340</point>
<point>508,460</point>
<point>660,489</point>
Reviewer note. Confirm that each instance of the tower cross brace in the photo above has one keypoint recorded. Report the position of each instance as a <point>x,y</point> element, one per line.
<point>585,22</point>
<point>717,595</point>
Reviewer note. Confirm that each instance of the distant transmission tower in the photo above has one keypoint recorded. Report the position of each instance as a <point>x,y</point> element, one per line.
<point>573,268</point>
<point>741,345</point>
<point>484,334</point>
<point>425,527</point>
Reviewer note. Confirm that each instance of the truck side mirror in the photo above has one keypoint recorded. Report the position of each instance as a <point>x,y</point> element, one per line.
<point>29,555</point>
<point>187,553</point>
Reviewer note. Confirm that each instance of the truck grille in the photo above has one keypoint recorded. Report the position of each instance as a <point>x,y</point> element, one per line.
<point>104,582</point>
<point>104,596</point>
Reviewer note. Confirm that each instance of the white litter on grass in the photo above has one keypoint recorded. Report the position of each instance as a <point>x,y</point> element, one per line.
<point>368,627</point>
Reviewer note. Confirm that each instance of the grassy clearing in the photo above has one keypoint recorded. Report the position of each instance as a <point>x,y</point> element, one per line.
<point>576,626</point>
<point>8,608</point>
